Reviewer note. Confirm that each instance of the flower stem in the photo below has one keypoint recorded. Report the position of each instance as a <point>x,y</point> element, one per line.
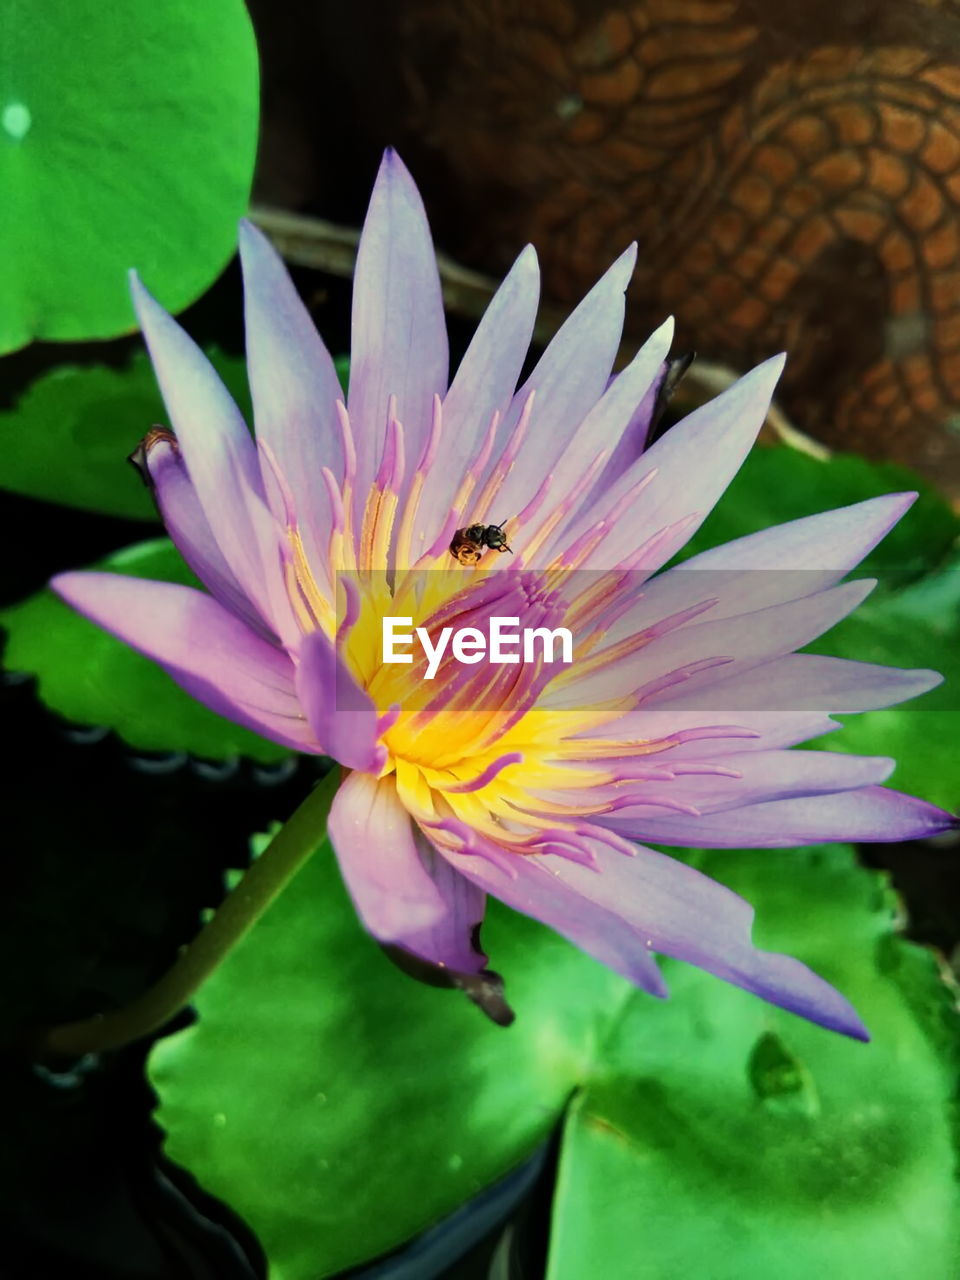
<point>267,876</point>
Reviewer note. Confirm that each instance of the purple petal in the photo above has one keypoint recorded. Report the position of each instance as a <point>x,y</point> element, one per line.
<point>786,562</point>
<point>801,682</point>
<point>484,383</point>
<point>569,379</point>
<point>646,415</point>
<point>536,890</point>
<point>220,457</point>
<point>764,776</point>
<point>190,530</point>
<point>694,462</point>
<point>833,542</point>
<point>399,342</point>
<point>207,650</point>
<point>679,912</point>
<point>774,729</point>
<point>606,421</point>
<point>339,711</point>
<point>871,813</point>
<point>295,390</point>
<point>404,892</point>
<point>748,640</point>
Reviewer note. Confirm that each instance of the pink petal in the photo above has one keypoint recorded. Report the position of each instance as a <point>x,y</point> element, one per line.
<point>404,892</point>
<point>208,651</point>
<point>338,709</point>
<point>399,342</point>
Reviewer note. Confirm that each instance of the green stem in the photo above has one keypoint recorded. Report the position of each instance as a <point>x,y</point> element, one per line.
<point>266,877</point>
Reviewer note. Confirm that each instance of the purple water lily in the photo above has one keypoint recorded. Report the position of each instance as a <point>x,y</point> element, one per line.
<point>527,781</point>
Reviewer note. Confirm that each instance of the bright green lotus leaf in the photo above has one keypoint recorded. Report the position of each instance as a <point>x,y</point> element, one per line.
<point>68,438</point>
<point>88,676</point>
<point>127,139</point>
<point>340,1106</point>
<point>720,1137</point>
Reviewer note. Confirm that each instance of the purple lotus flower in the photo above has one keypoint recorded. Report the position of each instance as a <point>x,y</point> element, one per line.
<point>528,781</point>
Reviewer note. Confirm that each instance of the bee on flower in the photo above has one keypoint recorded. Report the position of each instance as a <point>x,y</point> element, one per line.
<point>677,722</point>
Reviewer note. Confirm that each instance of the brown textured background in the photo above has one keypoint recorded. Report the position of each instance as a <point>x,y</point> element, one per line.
<point>792,173</point>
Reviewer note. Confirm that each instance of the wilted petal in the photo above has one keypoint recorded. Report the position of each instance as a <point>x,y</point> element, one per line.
<point>208,651</point>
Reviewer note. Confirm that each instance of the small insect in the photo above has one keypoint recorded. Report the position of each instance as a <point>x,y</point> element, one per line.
<point>469,544</point>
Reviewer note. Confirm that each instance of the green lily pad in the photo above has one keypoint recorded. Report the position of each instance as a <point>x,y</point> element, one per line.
<point>88,676</point>
<point>68,438</point>
<point>341,1108</point>
<point>127,139</point>
<point>720,1137</point>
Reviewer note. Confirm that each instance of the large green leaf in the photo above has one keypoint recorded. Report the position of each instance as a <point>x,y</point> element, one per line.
<point>68,438</point>
<point>127,139</point>
<point>340,1108</point>
<point>722,1138</point>
<point>90,677</point>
